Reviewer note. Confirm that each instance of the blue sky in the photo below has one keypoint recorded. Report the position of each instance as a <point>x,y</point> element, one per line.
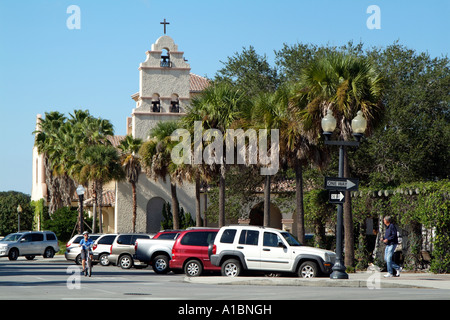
<point>44,66</point>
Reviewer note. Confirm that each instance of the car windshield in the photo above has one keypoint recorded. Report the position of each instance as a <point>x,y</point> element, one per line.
<point>12,237</point>
<point>290,239</point>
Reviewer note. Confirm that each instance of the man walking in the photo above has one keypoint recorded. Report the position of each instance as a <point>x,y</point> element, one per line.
<point>391,241</point>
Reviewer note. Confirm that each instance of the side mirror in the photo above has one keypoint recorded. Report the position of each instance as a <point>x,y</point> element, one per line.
<point>281,244</point>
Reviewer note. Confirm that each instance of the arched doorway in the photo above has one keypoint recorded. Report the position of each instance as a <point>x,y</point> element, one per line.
<point>257,215</point>
<point>154,214</point>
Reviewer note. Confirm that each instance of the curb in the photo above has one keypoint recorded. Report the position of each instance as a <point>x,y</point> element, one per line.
<point>317,282</point>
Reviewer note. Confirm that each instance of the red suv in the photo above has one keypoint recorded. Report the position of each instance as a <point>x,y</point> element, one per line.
<point>190,251</point>
<point>167,234</point>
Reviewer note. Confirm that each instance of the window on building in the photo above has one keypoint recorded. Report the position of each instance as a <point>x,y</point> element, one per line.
<point>156,103</point>
<point>175,104</point>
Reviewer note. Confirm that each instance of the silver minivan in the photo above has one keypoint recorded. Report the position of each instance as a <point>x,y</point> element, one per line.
<point>122,250</point>
<point>29,244</point>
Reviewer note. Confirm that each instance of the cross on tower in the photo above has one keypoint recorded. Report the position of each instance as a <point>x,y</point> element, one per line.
<point>164,23</point>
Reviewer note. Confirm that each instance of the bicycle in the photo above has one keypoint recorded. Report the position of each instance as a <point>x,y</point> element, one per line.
<point>88,253</point>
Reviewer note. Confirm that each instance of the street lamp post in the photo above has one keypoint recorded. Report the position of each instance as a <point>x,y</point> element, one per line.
<point>359,125</point>
<point>19,211</point>
<point>80,193</point>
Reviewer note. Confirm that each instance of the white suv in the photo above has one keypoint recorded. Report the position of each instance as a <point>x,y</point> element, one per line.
<point>238,248</point>
<point>29,244</point>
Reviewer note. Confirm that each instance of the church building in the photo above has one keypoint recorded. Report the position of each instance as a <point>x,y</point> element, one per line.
<point>166,87</point>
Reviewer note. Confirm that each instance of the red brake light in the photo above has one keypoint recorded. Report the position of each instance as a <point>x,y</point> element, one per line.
<point>214,250</point>
<point>110,250</point>
<point>135,246</point>
<point>68,244</point>
<point>94,247</point>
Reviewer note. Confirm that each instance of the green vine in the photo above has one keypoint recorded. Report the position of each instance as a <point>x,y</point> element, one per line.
<point>411,206</point>
<point>38,216</point>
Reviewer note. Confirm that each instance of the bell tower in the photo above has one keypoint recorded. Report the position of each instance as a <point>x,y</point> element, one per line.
<point>164,87</point>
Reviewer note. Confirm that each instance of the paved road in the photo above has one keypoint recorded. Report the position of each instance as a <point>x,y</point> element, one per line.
<point>60,280</point>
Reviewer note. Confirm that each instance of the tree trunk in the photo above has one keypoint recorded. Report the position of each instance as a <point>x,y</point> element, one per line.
<point>175,206</point>
<point>266,221</point>
<point>205,207</point>
<point>52,182</point>
<point>100,205</point>
<point>348,222</point>
<point>133,188</point>
<point>299,202</point>
<point>222,196</point>
<point>94,215</point>
<point>198,217</point>
<point>67,189</point>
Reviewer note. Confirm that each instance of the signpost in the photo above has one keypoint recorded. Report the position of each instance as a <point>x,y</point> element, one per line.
<point>341,184</point>
<point>336,197</point>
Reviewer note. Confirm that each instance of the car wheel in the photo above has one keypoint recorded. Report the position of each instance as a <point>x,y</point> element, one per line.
<point>193,268</point>
<point>231,268</point>
<point>13,254</point>
<point>160,264</point>
<point>104,261</point>
<point>308,270</point>
<point>78,260</point>
<point>49,252</point>
<point>126,261</point>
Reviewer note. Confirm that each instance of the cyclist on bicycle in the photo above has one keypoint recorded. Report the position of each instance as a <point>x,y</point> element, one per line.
<point>86,248</point>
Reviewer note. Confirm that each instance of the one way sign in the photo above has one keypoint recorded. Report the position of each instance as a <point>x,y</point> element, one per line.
<point>341,184</point>
<point>336,197</point>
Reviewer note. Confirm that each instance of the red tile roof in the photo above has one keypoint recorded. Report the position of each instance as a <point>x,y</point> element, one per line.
<point>198,83</point>
<point>115,140</point>
<point>108,199</point>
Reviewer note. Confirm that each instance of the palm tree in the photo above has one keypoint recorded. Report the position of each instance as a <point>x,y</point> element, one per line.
<point>46,141</point>
<point>76,149</point>
<point>267,111</point>
<point>64,155</point>
<point>91,130</point>
<point>157,162</point>
<point>344,84</point>
<point>92,134</point>
<point>131,163</point>
<point>273,111</point>
<point>100,165</point>
<point>217,107</point>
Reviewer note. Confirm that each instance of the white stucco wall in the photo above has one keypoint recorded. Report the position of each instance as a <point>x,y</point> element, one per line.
<point>146,190</point>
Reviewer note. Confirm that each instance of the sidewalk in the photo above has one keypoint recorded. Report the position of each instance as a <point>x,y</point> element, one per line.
<point>358,280</point>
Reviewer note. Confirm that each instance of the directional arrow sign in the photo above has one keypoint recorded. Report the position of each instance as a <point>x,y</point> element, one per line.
<point>336,197</point>
<point>341,184</point>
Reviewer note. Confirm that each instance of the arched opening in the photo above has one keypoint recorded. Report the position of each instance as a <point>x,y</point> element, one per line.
<point>257,215</point>
<point>156,103</point>
<point>154,214</point>
<point>165,59</point>
<point>175,103</point>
